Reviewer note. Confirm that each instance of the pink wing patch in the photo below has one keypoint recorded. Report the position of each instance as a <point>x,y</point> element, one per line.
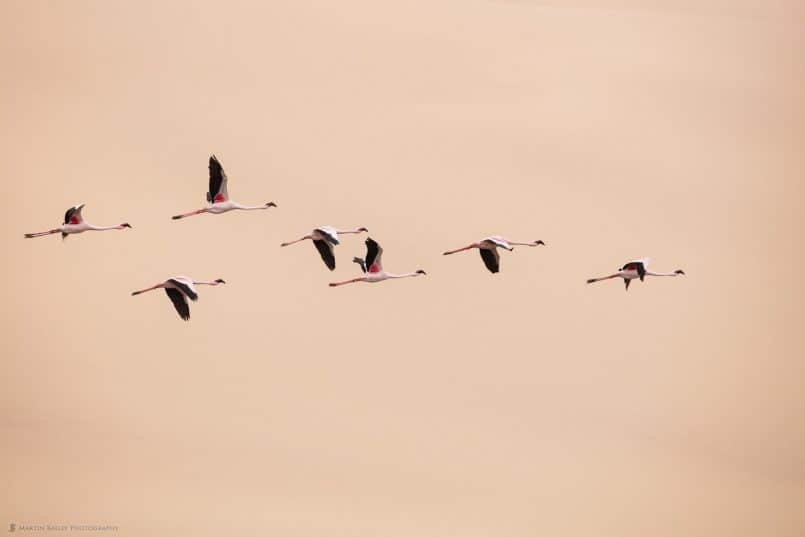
<point>219,198</point>
<point>374,268</point>
<point>74,220</point>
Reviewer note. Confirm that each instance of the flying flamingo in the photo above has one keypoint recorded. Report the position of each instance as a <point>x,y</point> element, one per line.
<point>179,289</point>
<point>218,197</point>
<point>488,248</point>
<point>324,238</point>
<point>373,267</point>
<point>635,269</point>
<point>74,223</point>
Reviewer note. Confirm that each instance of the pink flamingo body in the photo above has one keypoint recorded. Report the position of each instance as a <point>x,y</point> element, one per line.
<point>635,269</point>
<point>324,239</point>
<point>488,248</point>
<point>179,289</point>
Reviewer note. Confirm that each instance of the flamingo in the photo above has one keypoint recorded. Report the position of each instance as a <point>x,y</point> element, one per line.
<point>324,238</point>
<point>218,197</point>
<point>635,269</point>
<point>373,267</point>
<point>179,289</point>
<point>488,248</point>
<point>74,223</point>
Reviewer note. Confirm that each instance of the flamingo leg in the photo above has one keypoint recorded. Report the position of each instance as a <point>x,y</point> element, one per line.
<point>336,284</point>
<point>41,233</point>
<point>297,240</point>
<point>593,280</point>
<point>459,250</point>
<point>178,216</point>
<point>146,290</point>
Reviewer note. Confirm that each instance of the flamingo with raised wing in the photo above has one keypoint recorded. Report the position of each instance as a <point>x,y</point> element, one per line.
<point>373,268</point>
<point>218,197</point>
<point>74,223</point>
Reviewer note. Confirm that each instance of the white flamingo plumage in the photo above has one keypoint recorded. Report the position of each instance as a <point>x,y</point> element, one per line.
<point>218,197</point>
<point>325,238</point>
<point>488,248</point>
<point>635,269</point>
<point>179,289</point>
<point>74,223</point>
<point>373,268</point>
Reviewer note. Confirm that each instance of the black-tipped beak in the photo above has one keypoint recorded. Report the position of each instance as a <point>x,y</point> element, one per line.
<point>219,280</point>
<point>540,243</point>
<point>422,272</point>
<point>127,225</point>
<point>682,272</point>
<point>271,204</point>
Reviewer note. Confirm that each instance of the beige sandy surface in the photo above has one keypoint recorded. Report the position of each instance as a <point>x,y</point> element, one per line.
<point>466,404</point>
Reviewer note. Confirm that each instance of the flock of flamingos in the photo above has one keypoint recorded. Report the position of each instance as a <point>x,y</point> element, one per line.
<point>180,288</point>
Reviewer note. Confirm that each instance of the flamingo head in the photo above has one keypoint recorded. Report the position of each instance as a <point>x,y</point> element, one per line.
<point>125,224</point>
<point>539,242</point>
<point>679,271</point>
<point>420,271</point>
<point>363,229</point>
<point>219,280</point>
<point>271,204</point>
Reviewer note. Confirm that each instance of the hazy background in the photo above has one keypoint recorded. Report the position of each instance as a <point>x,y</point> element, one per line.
<point>520,404</point>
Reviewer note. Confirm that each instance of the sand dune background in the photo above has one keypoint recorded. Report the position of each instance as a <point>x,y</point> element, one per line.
<point>525,403</point>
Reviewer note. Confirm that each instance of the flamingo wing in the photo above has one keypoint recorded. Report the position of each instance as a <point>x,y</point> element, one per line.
<point>326,251</point>
<point>217,192</point>
<point>373,254</point>
<point>185,285</point>
<point>639,265</point>
<point>329,234</point>
<point>491,259</point>
<point>498,241</point>
<point>179,302</point>
<point>73,215</point>
<point>361,263</point>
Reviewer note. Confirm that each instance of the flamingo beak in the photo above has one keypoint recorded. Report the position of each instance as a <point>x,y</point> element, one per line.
<point>271,204</point>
